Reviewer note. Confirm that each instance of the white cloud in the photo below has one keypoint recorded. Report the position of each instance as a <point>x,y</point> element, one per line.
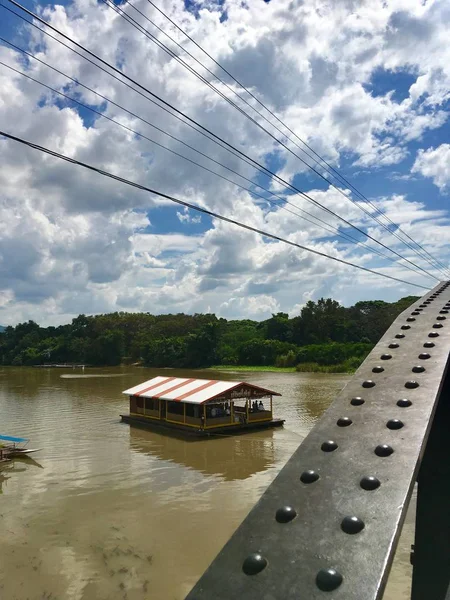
<point>71,241</point>
<point>434,163</point>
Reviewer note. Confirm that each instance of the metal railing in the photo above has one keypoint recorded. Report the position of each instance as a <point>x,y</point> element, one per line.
<point>328,525</point>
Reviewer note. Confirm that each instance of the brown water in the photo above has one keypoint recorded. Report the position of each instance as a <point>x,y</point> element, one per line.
<point>111,512</point>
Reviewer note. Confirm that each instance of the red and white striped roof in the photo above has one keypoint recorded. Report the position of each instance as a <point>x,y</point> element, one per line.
<point>193,391</point>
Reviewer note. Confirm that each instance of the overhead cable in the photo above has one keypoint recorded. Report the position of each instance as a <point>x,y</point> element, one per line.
<point>161,45</point>
<point>197,208</point>
<point>321,223</point>
<point>328,167</point>
<point>202,128</point>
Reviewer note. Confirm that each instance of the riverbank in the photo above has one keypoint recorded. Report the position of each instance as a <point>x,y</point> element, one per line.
<point>301,368</point>
<point>254,368</point>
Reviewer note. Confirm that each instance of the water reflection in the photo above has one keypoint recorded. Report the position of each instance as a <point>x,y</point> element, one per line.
<point>231,458</point>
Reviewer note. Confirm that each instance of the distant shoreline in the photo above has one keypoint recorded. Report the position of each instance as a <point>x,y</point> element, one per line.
<point>306,368</point>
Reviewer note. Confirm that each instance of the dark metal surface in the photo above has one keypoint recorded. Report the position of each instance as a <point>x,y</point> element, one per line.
<point>431,567</point>
<point>349,503</point>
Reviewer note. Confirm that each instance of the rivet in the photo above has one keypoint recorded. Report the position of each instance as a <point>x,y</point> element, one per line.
<point>344,422</point>
<point>405,327</point>
<point>433,334</point>
<point>424,355</point>
<point>410,319</point>
<point>400,336</point>
<point>386,356</point>
<point>394,345</point>
<point>437,325</point>
<point>422,305</point>
<point>368,383</point>
<point>415,312</point>
<point>394,424</point>
<point>443,312</point>
<point>384,450</point>
<point>427,302</point>
<point>329,446</point>
<point>429,345</point>
<point>357,401</point>
<point>352,525</point>
<point>418,369</point>
<point>369,483</point>
<point>254,564</point>
<point>309,476</point>
<point>404,403</point>
<point>378,369</point>
<point>420,308</point>
<point>441,318</point>
<point>285,514</point>
<point>411,385</point>
<point>328,580</point>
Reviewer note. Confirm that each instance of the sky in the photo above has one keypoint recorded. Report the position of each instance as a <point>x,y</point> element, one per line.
<point>366,84</point>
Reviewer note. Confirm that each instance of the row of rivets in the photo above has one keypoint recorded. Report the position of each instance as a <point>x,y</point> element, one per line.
<point>330,579</point>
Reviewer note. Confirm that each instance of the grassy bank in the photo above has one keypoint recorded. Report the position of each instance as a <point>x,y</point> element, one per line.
<point>248,368</point>
<point>316,368</point>
<point>302,368</point>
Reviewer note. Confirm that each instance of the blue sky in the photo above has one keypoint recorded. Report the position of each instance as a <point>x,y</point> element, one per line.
<point>376,109</point>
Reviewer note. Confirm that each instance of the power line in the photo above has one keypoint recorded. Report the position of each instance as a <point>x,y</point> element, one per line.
<point>203,129</point>
<point>200,209</point>
<point>162,46</point>
<point>329,168</point>
<point>324,225</point>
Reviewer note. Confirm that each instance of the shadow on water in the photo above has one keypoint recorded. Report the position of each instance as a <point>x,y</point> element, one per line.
<point>229,457</point>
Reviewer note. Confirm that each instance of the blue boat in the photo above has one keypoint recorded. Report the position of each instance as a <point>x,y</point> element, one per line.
<point>16,446</point>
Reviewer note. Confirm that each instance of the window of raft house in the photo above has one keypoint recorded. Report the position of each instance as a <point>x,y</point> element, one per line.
<point>139,402</point>
<point>176,408</point>
<point>151,404</point>
<point>191,410</point>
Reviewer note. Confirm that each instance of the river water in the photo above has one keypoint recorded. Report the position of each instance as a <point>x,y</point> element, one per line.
<point>110,512</point>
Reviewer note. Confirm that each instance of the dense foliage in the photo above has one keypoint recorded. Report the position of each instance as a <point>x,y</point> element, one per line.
<point>325,333</point>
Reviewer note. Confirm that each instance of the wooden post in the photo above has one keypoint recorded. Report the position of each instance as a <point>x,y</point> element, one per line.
<point>271,410</point>
<point>159,409</point>
<point>204,415</point>
<point>246,407</point>
<point>184,412</point>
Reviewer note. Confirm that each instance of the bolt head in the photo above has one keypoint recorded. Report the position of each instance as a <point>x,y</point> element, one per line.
<point>328,580</point>
<point>404,403</point>
<point>254,564</point>
<point>384,450</point>
<point>344,422</point>
<point>411,385</point>
<point>329,446</point>
<point>285,514</point>
<point>357,401</point>
<point>369,483</point>
<point>368,383</point>
<point>352,525</point>
<point>309,476</point>
<point>394,424</point>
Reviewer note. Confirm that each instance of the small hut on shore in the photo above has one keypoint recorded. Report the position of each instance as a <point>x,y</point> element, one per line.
<point>201,406</point>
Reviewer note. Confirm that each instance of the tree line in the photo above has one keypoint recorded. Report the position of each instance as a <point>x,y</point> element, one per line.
<point>325,333</point>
